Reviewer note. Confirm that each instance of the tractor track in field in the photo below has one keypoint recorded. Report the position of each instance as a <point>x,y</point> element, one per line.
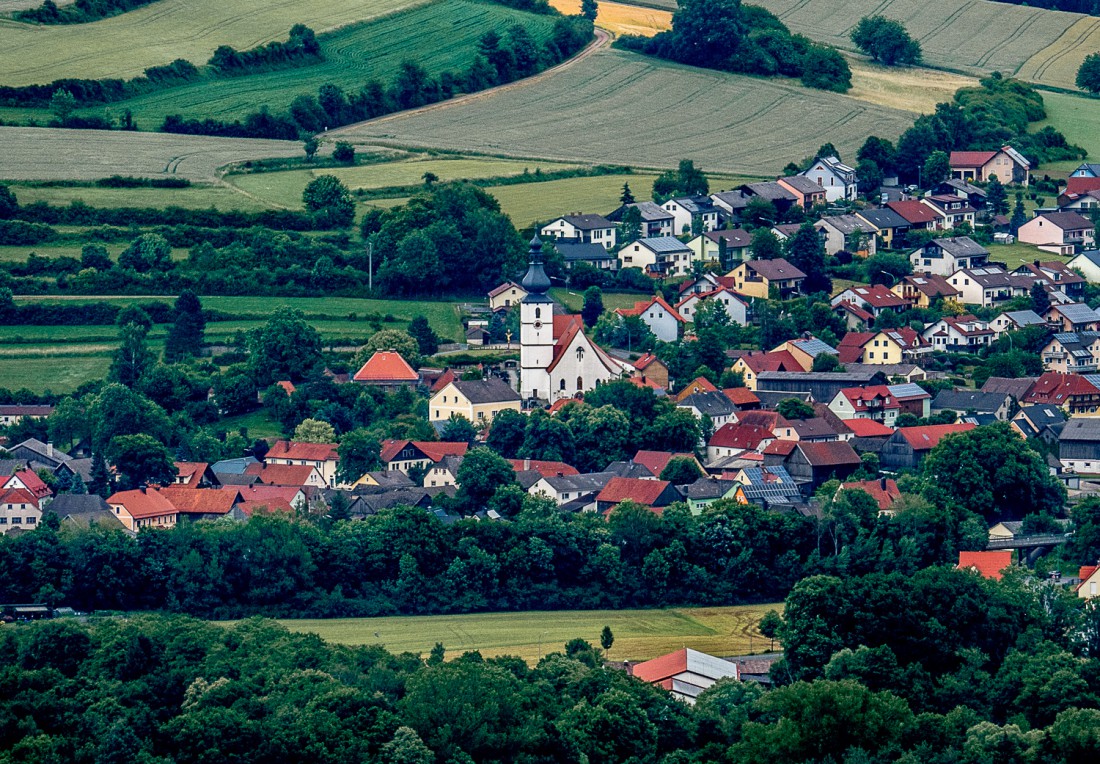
<point>603,40</point>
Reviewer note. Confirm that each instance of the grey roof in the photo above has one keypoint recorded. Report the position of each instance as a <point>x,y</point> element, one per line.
<point>1016,387</point>
<point>391,479</point>
<point>38,447</point>
<point>734,237</point>
<point>527,478</point>
<point>401,497</point>
<point>907,390</point>
<point>233,466</point>
<point>781,489</point>
<point>492,390</point>
<point>11,466</point>
<point>84,510</point>
<point>708,488</point>
<point>884,218</point>
<point>814,347</point>
<point>587,222</point>
<point>1070,221</point>
<point>771,191</point>
<point>1033,419</point>
<point>961,246</point>
<point>846,224</point>
<point>1024,317</point>
<point>1081,428</point>
<point>664,244</point>
<point>813,428</point>
<point>714,404</point>
<point>736,198</point>
<point>651,211</point>
<point>969,400</point>
<point>967,188</point>
<point>630,469</point>
<point>573,251</point>
<point>1092,255</point>
<point>232,478</point>
<point>803,184</point>
<point>889,369</point>
<point>775,270</point>
<point>592,482</point>
<point>696,205</point>
<point>855,377</point>
<point>1078,312</point>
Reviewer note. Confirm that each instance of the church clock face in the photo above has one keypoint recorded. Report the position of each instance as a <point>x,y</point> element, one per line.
<point>538,324</point>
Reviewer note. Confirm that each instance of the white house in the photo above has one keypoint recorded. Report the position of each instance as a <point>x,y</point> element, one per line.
<point>838,179</point>
<point>942,257</point>
<point>1088,263</point>
<point>587,229</point>
<point>989,285</point>
<point>686,210</point>
<point>736,307</point>
<point>661,318</point>
<point>951,211</point>
<point>506,295</point>
<point>959,334</point>
<point>666,255</point>
<point>842,231</point>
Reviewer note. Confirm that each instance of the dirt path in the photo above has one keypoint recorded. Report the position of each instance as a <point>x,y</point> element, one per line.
<point>603,39</point>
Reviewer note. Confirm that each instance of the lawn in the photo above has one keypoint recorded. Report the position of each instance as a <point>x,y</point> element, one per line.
<point>1016,254</point>
<point>616,107</point>
<point>124,46</point>
<point>258,424</point>
<point>639,634</point>
<point>198,197</point>
<point>353,55</point>
<point>61,374</point>
<point>285,188</point>
<point>19,253</point>
<point>1077,117</point>
<point>574,301</point>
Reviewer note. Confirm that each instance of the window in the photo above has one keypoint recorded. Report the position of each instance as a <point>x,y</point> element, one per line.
<point>30,521</point>
<point>3,521</point>
<point>538,312</point>
<point>580,384</point>
<point>17,521</point>
<point>562,386</point>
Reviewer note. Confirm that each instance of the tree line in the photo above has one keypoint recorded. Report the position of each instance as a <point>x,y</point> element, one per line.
<point>79,12</point>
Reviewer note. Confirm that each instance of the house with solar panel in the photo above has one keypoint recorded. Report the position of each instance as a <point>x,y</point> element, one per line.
<point>661,255</point>
<point>770,487</point>
<point>1072,353</point>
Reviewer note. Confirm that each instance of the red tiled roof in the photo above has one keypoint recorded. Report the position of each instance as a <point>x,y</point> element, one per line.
<point>745,436</point>
<point>386,366</point>
<point>192,471</point>
<point>769,420</point>
<point>773,360</point>
<point>855,310</point>
<point>644,492</point>
<point>829,453</point>
<point>877,296</point>
<point>971,159</point>
<point>741,396</point>
<point>1056,388</point>
<point>642,306</point>
<point>656,461</point>
<point>268,506</point>
<point>697,385</point>
<point>860,397</point>
<point>141,504</point>
<point>434,450</point>
<point>885,491</point>
<point>850,349</point>
<point>563,324</point>
<point>928,437</point>
<point>544,468</point>
<point>561,403</point>
<point>867,428</point>
<point>1085,574</point>
<point>287,385</point>
<point>645,361</point>
<point>505,287</point>
<point>780,448</point>
<point>306,452</point>
<point>446,378</point>
<point>18,496</point>
<point>34,484</point>
<point>913,211</point>
<point>639,381</point>
<point>988,564</point>
<point>206,501</point>
<point>268,492</point>
<point>662,668</point>
<point>296,475</point>
<point>1076,186</point>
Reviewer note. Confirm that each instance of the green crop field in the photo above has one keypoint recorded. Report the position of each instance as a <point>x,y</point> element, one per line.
<point>639,634</point>
<point>197,197</point>
<point>38,153</point>
<point>124,46</point>
<point>285,188</point>
<point>621,108</point>
<point>353,55</point>
<point>61,374</point>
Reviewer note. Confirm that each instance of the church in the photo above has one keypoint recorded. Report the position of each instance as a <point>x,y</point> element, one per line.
<point>557,359</point>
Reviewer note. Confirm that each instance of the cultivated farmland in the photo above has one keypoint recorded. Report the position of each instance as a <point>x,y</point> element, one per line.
<point>639,634</point>
<point>1057,63</point>
<point>198,197</point>
<point>621,18</point>
<point>33,153</point>
<point>124,46</point>
<point>622,108</point>
<point>353,55</point>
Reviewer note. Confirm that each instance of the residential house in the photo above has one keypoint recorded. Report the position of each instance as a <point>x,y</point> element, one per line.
<point>578,492</point>
<point>19,510</point>
<point>697,385</point>
<point>735,307</point>
<point>751,364</point>
<point>662,255</point>
<point>919,216</point>
<point>1063,233</point>
<point>652,369</point>
<point>581,228</point>
<point>881,403</point>
<point>323,456</point>
<point>896,373</point>
<point>774,192</point>
<point>1088,263</point>
<point>707,490</point>
<point>951,211</point>
<point>855,318</point>
<point>716,406</point>
<point>662,319</point>
<point>655,220</point>
<point>388,371</point>
<point>743,399</point>
<point>1079,445</point>
<point>477,400</point>
<point>907,447</point>
<point>1072,353</point>
<point>443,473</point>
<point>1017,387</point>
<point>763,278</point>
<point>1074,393</point>
<point>959,334</point>
<point>1080,195</point>
<point>685,673</point>
<point>543,468</point>
<point>296,475</point>
<point>989,285</point>
<point>813,429</point>
<point>819,386</point>
<point>1015,320</point>
<point>656,461</point>
<point>84,511</point>
<point>815,463</point>
<point>805,350</point>
<point>875,299</point>
<point>974,195</point>
<point>594,255</point>
<point>1056,275</point>
<point>143,508</point>
<point>1074,317</point>
<point>850,233</point>
<point>1086,170</point>
<point>406,455</point>
<point>770,486</point>
<point>838,179</point>
<point>194,475</point>
<point>1009,165</point>
<point>725,248</point>
<point>884,491</point>
<point>943,257</point>
<point>986,564</point>
<point>653,494</point>
<point>27,480</point>
<point>506,295</point>
<point>807,192</point>
<point>889,347</point>
<point>732,439</point>
<point>207,504</point>
<point>888,227</point>
<point>1090,582</point>
<point>40,455</point>
<point>692,215</point>
<point>964,402</point>
<point>1040,421</point>
<point>12,413</point>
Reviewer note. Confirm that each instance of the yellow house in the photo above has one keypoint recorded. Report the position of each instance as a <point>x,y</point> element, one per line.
<point>506,295</point>
<point>758,278</point>
<point>890,346</point>
<point>143,508</point>
<point>477,400</point>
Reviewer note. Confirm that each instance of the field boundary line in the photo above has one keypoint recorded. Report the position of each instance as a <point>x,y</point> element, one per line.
<point>603,39</point>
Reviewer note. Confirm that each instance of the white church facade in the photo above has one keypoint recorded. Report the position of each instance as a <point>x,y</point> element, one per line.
<point>557,359</point>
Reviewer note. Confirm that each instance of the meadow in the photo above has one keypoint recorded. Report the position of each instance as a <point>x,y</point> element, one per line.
<point>621,108</point>
<point>124,46</point>
<point>353,55</point>
<point>574,301</point>
<point>199,197</point>
<point>639,634</point>
<point>38,153</point>
<point>1078,117</point>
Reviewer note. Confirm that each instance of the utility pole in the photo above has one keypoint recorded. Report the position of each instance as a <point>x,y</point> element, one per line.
<point>370,266</point>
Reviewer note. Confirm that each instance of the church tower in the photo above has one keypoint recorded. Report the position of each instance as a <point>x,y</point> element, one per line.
<point>536,329</point>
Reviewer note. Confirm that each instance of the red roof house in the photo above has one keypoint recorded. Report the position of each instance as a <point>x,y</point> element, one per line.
<point>28,479</point>
<point>884,491</point>
<point>386,369</point>
<point>655,494</point>
<point>987,564</point>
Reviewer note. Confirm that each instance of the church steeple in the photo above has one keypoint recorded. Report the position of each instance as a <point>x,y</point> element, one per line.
<point>535,281</point>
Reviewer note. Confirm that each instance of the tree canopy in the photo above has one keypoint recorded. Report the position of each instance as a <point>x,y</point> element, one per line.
<point>886,41</point>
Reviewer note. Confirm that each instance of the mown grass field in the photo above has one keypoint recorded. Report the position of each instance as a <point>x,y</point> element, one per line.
<point>353,55</point>
<point>1078,117</point>
<point>622,108</point>
<point>124,46</point>
<point>197,197</point>
<point>285,188</point>
<point>38,153</point>
<point>574,300</point>
<point>639,634</point>
<point>61,374</point>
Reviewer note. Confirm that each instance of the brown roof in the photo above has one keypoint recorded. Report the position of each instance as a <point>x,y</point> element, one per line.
<point>1067,221</point>
<point>928,437</point>
<point>386,366</point>
<point>143,503</point>
<point>913,211</point>
<point>206,501</point>
<point>656,461</point>
<point>829,453</point>
<point>775,270</point>
<point>971,158</point>
<point>307,452</point>
<point>434,450</point>
<point>885,491</point>
<point>192,471</point>
<point>281,474</point>
<point>543,467</point>
<point>620,489</point>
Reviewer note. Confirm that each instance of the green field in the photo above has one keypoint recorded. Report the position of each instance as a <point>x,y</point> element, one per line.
<point>197,197</point>
<point>639,634</point>
<point>124,46</point>
<point>285,188</point>
<point>353,55</point>
<point>574,301</point>
<point>56,373</point>
<point>1016,254</point>
<point>621,108</point>
<point>1077,117</point>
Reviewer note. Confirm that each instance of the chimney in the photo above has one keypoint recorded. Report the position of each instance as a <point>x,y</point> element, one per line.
<point>142,487</point>
<point>49,449</point>
<point>526,464</point>
<point>882,483</point>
